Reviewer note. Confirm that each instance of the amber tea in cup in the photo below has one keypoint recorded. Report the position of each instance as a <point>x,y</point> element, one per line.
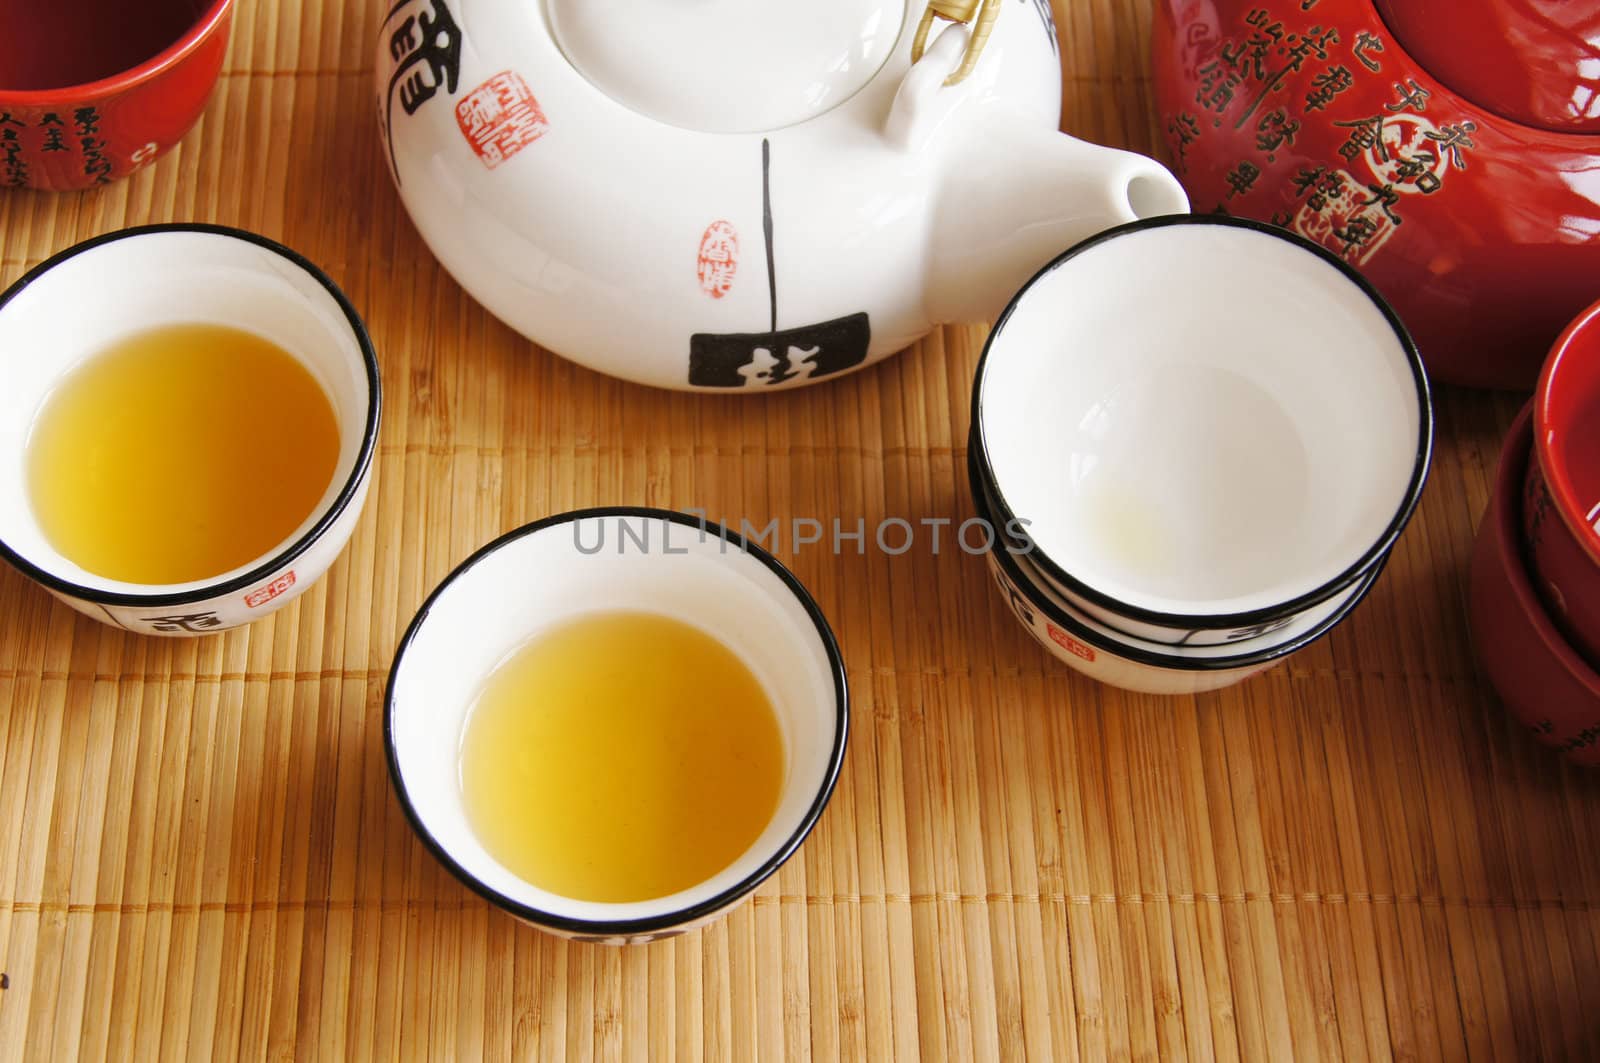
<point>180,453</point>
<point>621,756</point>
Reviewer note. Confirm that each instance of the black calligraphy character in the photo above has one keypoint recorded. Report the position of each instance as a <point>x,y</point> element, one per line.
<point>1385,197</point>
<point>1260,44</point>
<point>1356,232</point>
<point>88,120</point>
<point>16,167</point>
<point>1365,134</point>
<point>1366,42</point>
<point>734,360</point>
<point>1418,170</point>
<point>434,64</point>
<point>1184,129</point>
<point>1322,185</point>
<point>1242,178</point>
<point>54,132</point>
<point>1453,141</point>
<point>1282,219</point>
<point>1307,179</point>
<point>1258,17</point>
<point>1014,598</point>
<point>1583,738</point>
<point>1217,85</point>
<point>185,622</point>
<point>403,41</point>
<point>1410,95</point>
<point>1233,55</point>
<point>1257,630</point>
<point>1248,59</point>
<point>1314,41</point>
<point>428,53</point>
<point>1328,84</point>
<point>1275,130</point>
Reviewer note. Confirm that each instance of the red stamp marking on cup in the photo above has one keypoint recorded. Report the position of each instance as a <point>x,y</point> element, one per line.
<point>719,258</point>
<point>1072,645</point>
<point>500,117</point>
<point>256,599</point>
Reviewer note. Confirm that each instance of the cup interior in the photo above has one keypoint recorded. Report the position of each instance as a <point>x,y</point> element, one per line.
<point>1567,420</point>
<point>1201,417</point>
<point>1273,642</point>
<point>541,576</point>
<point>65,43</point>
<point>88,298</point>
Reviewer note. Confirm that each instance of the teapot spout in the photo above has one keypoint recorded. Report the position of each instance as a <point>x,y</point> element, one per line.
<point>1015,197</point>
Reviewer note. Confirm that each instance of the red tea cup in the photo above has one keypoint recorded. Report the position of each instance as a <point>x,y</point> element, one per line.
<point>1561,508</point>
<point>93,90</point>
<point>1540,678</point>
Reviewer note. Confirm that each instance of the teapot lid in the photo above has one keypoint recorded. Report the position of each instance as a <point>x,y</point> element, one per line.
<point>1533,61</point>
<point>727,66</point>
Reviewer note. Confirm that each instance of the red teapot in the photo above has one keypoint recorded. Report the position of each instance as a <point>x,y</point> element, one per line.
<point>1450,149</point>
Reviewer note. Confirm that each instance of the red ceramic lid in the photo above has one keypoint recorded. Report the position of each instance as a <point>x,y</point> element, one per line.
<point>1534,61</point>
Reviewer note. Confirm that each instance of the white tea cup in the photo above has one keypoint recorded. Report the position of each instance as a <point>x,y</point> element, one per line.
<point>98,293</point>
<point>604,560</point>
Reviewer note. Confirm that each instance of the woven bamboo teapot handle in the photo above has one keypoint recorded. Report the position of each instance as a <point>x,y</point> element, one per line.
<point>963,11</point>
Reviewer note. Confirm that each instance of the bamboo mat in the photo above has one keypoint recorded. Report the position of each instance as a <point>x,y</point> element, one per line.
<point>1357,856</point>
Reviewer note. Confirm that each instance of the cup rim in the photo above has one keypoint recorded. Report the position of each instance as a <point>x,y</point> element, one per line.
<point>1138,654</point>
<point>1374,554</point>
<point>1555,471</point>
<point>666,920</point>
<point>123,80</point>
<point>1503,518</point>
<point>328,516</point>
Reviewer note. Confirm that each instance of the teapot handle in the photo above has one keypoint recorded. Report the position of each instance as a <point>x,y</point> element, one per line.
<point>920,107</point>
<point>961,11</point>
<point>1009,196</point>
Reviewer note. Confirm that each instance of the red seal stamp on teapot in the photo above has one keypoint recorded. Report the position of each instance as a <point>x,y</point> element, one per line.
<point>719,259</point>
<point>501,117</point>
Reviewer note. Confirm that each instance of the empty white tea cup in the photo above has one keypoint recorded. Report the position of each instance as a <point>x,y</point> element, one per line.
<point>1208,424</point>
<point>1109,656</point>
<point>592,561</point>
<point>98,293</point>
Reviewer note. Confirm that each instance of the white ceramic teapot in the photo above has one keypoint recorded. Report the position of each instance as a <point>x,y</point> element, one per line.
<point>716,194</point>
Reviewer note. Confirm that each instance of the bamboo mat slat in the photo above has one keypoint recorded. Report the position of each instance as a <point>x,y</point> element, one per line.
<point>1357,856</point>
